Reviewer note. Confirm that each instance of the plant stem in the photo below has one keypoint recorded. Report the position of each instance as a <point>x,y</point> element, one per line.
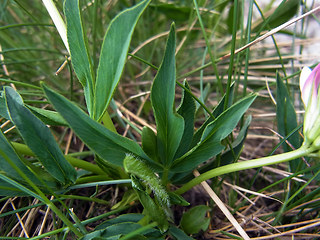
<point>165,176</point>
<point>76,162</point>
<point>234,167</point>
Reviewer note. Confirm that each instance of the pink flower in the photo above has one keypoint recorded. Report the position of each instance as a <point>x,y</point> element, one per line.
<point>309,86</point>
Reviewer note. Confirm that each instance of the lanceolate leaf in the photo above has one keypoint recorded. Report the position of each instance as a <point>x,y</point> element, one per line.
<point>3,108</point>
<point>178,233</point>
<point>108,145</point>
<point>113,232</point>
<point>170,125</point>
<point>187,110</point>
<point>48,117</point>
<point>195,219</point>
<point>237,145</point>
<point>286,119</point>
<point>80,58</point>
<point>39,138</point>
<point>149,143</point>
<point>7,189</point>
<point>130,217</point>
<point>283,13</point>
<point>216,112</point>
<point>227,157</point>
<point>5,166</point>
<point>113,56</point>
<point>13,187</point>
<point>212,136</point>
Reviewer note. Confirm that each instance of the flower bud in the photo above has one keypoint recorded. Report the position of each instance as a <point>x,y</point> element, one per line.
<point>309,86</point>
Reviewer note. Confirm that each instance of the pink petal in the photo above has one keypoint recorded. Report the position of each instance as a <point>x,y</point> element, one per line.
<point>309,81</point>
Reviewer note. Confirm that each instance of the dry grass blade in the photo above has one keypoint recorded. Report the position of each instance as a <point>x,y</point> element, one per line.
<point>283,173</point>
<point>138,119</point>
<point>273,31</point>
<point>249,191</point>
<point>24,230</point>
<point>290,232</point>
<point>223,208</point>
<point>44,219</point>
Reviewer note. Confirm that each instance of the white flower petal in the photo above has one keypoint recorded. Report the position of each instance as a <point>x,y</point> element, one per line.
<point>305,87</point>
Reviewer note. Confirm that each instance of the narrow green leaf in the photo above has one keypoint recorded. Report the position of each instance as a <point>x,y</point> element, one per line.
<point>229,21</point>
<point>176,199</point>
<point>216,112</point>
<point>237,145</point>
<point>113,56</point>
<point>226,158</point>
<point>3,107</point>
<point>214,133</point>
<point>48,117</point>
<point>283,13</point>
<point>176,11</point>
<point>5,166</point>
<point>170,125</point>
<point>128,197</point>
<point>39,138</point>
<point>15,185</point>
<point>18,187</point>
<point>195,220</point>
<point>7,189</point>
<point>115,231</point>
<point>179,234</point>
<point>108,145</point>
<point>286,119</point>
<point>149,143</point>
<point>130,217</point>
<point>80,58</point>
<point>187,110</point>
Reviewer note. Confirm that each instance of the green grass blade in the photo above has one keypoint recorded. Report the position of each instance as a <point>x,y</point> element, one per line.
<point>39,138</point>
<point>170,125</point>
<point>113,56</point>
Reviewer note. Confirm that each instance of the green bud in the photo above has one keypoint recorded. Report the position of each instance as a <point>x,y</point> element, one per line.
<point>140,169</point>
